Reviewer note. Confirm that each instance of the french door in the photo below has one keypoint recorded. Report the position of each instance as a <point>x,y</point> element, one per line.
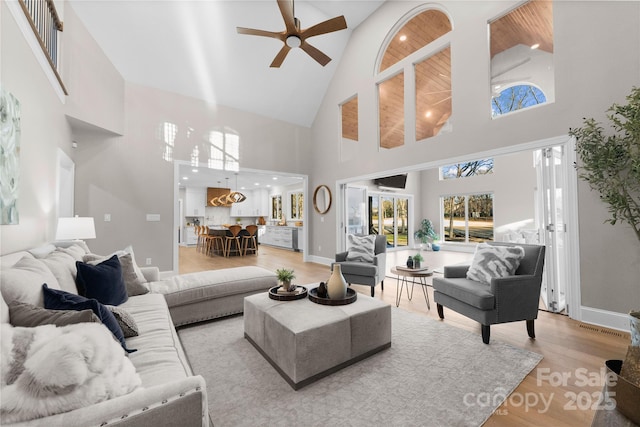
<point>389,216</point>
<point>551,207</point>
<point>356,213</point>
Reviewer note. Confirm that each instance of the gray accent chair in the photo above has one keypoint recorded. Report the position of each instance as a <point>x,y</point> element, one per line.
<point>364,273</point>
<point>505,299</point>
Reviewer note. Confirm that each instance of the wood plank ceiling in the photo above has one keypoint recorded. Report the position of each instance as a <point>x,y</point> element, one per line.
<point>529,24</point>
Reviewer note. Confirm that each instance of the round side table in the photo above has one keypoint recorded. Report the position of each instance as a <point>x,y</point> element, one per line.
<point>417,276</point>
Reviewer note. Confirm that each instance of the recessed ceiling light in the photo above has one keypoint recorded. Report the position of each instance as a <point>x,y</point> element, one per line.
<point>403,38</point>
<point>275,178</point>
<point>268,185</point>
<point>535,46</point>
<point>256,183</point>
<point>186,178</point>
<point>194,170</point>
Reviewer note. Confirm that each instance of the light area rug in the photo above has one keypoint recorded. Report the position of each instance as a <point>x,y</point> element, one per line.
<point>434,374</point>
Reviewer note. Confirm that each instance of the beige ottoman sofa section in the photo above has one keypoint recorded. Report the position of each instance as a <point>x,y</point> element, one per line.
<point>205,295</point>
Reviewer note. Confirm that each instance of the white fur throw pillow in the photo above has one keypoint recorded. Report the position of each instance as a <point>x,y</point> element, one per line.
<point>361,248</point>
<point>48,370</point>
<point>494,261</point>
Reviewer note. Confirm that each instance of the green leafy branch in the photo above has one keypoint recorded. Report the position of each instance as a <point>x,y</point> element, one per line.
<point>610,163</point>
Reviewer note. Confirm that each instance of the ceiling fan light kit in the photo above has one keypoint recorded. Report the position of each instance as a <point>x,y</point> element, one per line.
<point>294,37</point>
<point>293,41</point>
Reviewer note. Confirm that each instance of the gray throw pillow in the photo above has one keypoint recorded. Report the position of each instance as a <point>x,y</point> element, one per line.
<point>132,282</point>
<point>125,320</point>
<point>30,316</point>
<point>493,262</point>
<point>361,248</point>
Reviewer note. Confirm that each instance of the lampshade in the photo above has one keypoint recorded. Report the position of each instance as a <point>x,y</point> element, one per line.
<point>76,228</point>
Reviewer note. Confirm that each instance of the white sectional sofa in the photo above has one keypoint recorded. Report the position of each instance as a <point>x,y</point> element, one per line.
<point>170,393</point>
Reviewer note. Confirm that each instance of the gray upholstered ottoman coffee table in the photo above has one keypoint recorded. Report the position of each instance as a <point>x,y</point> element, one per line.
<point>305,341</point>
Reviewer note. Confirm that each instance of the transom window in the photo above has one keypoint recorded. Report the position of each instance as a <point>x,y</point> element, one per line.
<point>466,169</point>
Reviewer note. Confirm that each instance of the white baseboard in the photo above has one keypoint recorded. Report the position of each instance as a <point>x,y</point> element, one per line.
<point>320,260</point>
<point>608,319</point>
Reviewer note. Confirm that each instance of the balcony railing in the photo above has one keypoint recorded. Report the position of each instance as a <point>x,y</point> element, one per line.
<point>46,24</point>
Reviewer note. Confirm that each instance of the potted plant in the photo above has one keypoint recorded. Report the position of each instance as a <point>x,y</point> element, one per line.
<point>417,259</point>
<point>609,160</point>
<point>285,276</point>
<point>426,233</point>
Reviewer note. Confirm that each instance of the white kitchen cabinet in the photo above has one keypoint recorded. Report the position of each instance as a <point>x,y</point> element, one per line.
<point>261,203</point>
<point>281,236</point>
<point>243,208</point>
<point>257,204</point>
<point>196,200</point>
<point>191,237</point>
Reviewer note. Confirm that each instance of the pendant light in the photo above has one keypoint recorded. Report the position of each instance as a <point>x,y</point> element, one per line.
<point>219,200</point>
<point>236,196</point>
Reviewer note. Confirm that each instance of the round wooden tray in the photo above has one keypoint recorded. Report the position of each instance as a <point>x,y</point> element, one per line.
<point>273,294</point>
<point>352,296</point>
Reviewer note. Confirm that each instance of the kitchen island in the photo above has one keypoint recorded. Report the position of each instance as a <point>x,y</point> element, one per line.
<point>224,232</point>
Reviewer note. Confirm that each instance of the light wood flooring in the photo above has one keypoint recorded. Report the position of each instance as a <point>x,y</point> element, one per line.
<point>571,349</point>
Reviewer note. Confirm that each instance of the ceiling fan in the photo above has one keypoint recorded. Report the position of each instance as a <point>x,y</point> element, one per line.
<point>293,36</point>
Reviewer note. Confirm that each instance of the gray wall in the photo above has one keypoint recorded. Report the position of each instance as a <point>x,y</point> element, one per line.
<point>597,62</point>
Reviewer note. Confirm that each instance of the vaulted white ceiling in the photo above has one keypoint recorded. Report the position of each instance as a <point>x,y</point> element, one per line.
<point>191,47</point>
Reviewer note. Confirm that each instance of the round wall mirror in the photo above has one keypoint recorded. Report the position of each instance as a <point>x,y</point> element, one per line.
<point>322,199</point>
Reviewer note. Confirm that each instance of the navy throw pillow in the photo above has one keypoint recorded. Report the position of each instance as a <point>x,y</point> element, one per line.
<point>55,299</point>
<point>103,282</point>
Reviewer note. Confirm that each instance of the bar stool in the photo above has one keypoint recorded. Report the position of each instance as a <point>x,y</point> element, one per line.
<point>249,240</point>
<point>228,242</point>
<point>207,239</point>
<point>216,244</point>
<point>200,240</point>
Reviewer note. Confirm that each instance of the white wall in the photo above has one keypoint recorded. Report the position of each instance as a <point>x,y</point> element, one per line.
<point>597,62</point>
<point>44,130</point>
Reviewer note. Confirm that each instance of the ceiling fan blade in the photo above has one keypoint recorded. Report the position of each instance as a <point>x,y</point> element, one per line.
<point>320,57</point>
<point>329,26</point>
<point>263,33</point>
<point>279,59</point>
<point>286,9</point>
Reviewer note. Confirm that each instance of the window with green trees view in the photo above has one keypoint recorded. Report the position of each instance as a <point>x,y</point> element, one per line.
<point>468,218</point>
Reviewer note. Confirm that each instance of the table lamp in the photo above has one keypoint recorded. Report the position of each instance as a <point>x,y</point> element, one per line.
<point>76,228</point>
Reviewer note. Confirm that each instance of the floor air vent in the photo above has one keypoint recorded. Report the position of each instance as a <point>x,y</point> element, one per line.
<point>605,331</point>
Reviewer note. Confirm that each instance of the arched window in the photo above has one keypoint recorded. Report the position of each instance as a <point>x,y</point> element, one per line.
<point>418,32</point>
<point>516,98</point>
<point>409,57</point>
